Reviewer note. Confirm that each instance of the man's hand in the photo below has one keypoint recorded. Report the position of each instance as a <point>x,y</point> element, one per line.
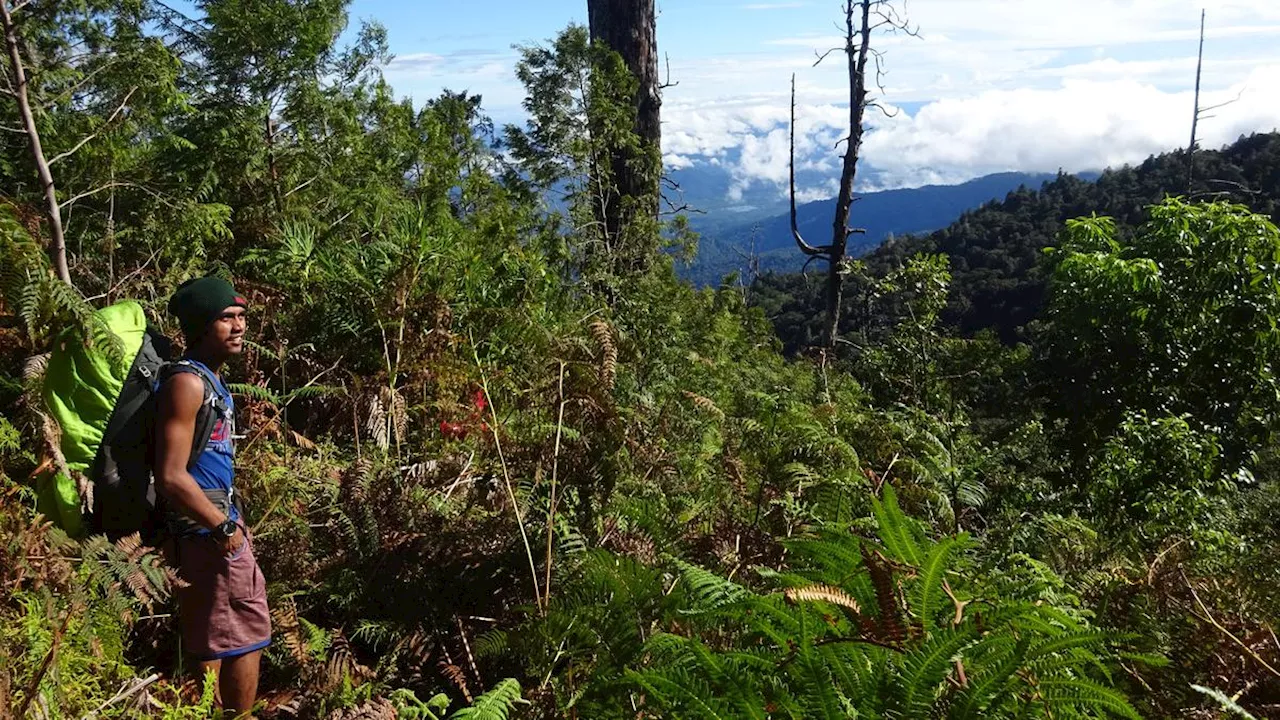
<point>231,545</point>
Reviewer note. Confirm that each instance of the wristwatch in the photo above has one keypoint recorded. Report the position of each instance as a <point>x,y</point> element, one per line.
<point>226,529</point>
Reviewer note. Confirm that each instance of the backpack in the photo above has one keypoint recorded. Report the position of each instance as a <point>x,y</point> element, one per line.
<point>105,406</point>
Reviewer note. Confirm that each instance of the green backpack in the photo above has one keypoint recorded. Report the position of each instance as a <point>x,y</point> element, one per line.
<point>106,409</point>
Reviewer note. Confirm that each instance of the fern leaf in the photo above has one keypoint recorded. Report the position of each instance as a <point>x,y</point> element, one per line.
<point>692,702</point>
<point>496,704</point>
<point>928,587</point>
<point>896,531</point>
<point>256,392</point>
<point>926,668</point>
<point>1226,702</point>
<point>824,593</point>
<point>710,591</point>
<point>1084,693</point>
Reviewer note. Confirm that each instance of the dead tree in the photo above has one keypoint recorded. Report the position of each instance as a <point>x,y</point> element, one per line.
<point>862,18</point>
<point>1195,116</point>
<point>17,88</point>
<point>629,28</point>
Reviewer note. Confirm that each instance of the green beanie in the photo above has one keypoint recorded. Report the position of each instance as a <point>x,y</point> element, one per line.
<point>199,301</point>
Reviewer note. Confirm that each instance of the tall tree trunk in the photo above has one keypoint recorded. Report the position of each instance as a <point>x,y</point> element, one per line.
<point>629,27</point>
<point>18,77</point>
<point>857,60</point>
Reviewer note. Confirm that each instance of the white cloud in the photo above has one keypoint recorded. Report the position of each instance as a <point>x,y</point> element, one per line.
<point>1083,125</point>
<point>676,162</point>
<point>994,85</point>
<point>991,85</point>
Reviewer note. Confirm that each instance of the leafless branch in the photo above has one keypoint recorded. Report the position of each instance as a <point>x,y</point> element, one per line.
<point>805,247</point>
<point>880,71</point>
<point>1206,616</point>
<point>130,688</point>
<point>811,259</point>
<point>303,186</point>
<point>18,6</point>
<point>136,271</point>
<point>1195,116</point>
<point>96,133</point>
<point>883,110</point>
<point>666,84</point>
<point>1219,106</point>
<point>823,55</point>
<point>117,184</point>
<point>71,91</point>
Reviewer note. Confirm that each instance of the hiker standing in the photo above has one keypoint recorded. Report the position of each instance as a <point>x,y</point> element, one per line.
<point>225,622</point>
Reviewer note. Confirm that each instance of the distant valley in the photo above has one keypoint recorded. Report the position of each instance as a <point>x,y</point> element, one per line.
<point>759,225</point>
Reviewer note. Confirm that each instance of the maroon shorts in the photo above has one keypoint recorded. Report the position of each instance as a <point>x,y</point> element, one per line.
<point>224,611</point>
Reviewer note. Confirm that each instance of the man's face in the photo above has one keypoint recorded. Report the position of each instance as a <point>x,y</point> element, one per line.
<point>225,336</point>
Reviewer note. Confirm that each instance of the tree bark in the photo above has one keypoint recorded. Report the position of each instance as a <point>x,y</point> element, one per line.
<point>629,28</point>
<point>58,245</point>
<point>857,60</point>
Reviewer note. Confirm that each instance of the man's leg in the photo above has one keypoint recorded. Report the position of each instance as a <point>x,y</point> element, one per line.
<point>240,682</point>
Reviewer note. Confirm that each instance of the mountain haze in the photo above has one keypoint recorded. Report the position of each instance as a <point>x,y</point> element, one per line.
<point>725,244</point>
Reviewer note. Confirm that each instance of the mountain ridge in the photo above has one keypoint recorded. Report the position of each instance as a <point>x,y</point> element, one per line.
<point>996,250</point>
<point>725,246</point>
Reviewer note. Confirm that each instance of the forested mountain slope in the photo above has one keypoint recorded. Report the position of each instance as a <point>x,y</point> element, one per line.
<point>766,244</point>
<point>995,251</point>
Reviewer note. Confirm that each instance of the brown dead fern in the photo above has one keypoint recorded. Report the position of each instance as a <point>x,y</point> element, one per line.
<point>704,404</point>
<point>609,353</point>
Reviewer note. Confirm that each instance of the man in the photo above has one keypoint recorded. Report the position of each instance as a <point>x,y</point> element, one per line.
<point>225,621</point>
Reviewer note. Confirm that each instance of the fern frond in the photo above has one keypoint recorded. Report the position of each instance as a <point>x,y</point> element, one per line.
<point>896,530</point>
<point>496,704</point>
<point>1086,694</point>
<point>1223,700</point>
<point>926,668</point>
<point>255,392</point>
<point>824,593</point>
<point>928,587</point>
<point>609,353</point>
<point>709,591</point>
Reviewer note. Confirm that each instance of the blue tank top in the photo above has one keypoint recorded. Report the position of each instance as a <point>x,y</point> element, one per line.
<point>214,469</point>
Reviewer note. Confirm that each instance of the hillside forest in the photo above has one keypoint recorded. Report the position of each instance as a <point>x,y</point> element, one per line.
<point>502,462</point>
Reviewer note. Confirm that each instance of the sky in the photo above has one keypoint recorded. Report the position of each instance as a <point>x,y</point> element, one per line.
<point>988,86</point>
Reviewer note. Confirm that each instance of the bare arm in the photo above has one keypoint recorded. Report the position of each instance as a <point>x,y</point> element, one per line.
<point>180,400</point>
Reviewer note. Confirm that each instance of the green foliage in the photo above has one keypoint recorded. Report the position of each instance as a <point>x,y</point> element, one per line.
<point>473,373</point>
<point>892,628</point>
<point>582,113</point>
<point>1187,308</point>
<point>496,704</point>
<point>45,306</point>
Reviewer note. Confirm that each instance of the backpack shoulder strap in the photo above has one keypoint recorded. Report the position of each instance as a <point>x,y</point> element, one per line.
<point>210,409</point>
<point>138,385</point>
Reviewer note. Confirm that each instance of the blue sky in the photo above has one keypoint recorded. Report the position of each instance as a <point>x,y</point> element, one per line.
<point>993,85</point>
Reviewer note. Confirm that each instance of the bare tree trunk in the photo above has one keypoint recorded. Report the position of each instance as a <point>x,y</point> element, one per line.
<point>857,47</point>
<point>1195,117</point>
<point>629,27</point>
<point>857,59</point>
<point>58,246</point>
<point>270,137</point>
